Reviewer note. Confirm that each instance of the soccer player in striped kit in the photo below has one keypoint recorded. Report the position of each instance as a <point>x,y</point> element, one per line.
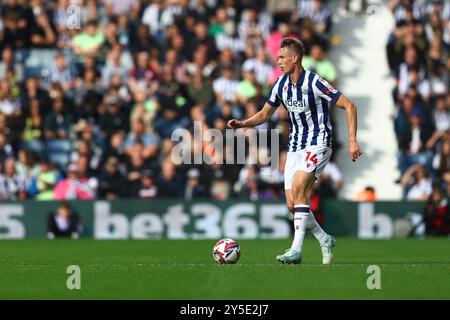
<point>308,99</point>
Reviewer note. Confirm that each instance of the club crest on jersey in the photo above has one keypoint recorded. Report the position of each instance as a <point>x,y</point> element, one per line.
<point>328,87</point>
<point>304,90</point>
<point>295,105</point>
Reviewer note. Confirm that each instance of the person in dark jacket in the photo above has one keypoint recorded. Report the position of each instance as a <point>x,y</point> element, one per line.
<point>412,143</point>
<point>194,188</point>
<point>113,183</point>
<point>436,215</point>
<point>64,223</point>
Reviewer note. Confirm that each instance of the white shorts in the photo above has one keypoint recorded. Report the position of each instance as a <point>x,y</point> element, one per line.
<point>312,158</point>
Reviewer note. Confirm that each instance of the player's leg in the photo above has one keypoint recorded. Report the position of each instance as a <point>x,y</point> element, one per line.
<point>297,195</point>
<point>327,243</point>
<point>301,186</point>
<point>289,201</point>
<point>289,171</point>
<point>301,171</point>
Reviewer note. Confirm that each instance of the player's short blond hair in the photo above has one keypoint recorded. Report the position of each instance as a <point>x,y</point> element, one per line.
<point>294,45</point>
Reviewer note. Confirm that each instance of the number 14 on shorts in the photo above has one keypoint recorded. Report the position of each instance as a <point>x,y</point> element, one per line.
<point>311,157</point>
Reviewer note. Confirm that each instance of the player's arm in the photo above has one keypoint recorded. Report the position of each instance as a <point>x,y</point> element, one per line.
<point>351,115</point>
<point>261,116</point>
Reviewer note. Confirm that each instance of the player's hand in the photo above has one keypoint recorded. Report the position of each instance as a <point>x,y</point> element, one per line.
<point>233,124</point>
<point>354,150</point>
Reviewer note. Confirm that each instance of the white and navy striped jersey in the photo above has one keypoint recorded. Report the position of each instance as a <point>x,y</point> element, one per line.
<point>308,105</point>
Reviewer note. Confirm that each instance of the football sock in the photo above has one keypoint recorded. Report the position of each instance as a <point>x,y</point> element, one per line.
<point>315,229</point>
<point>301,212</point>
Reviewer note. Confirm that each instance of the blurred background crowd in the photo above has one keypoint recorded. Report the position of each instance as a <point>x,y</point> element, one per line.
<point>88,105</point>
<point>92,90</point>
<point>419,57</point>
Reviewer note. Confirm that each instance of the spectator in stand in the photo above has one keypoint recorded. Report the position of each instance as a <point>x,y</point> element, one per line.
<point>114,118</point>
<point>253,28</point>
<point>10,104</point>
<point>13,186</point>
<point>274,39</point>
<point>145,108</point>
<point>113,66</point>
<point>88,43</point>
<point>7,63</point>
<point>62,73</point>
<point>25,164</point>
<point>88,96</point>
<point>6,150</point>
<point>42,33</point>
<point>121,7</point>
<point>309,38</point>
<point>318,62</point>
<point>74,186</point>
<point>32,91</point>
<point>114,148</point>
<point>200,90</point>
<point>143,40</point>
<point>149,141</point>
<point>151,17</point>
<point>33,130</point>
<point>417,183</point>
<point>148,188</point>
<point>200,63</point>
<point>403,116</point>
<point>260,65</point>
<point>436,214</point>
<point>226,86</point>
<point>169,181</point>
<point>44,181</point>
<point>112,184</point>
<point>64,223</point>
<point>194,188</point>
<point>58,122</point>
<point>143,74</point>
<point>413,142</point>
<point>172,98</point>
<point>251,189</point>
<point>441,114</point>
<point>247,87</point>
<point>315,11</point>
<point>17,19</point>
<point>441,160</point>
<point>136,164</point>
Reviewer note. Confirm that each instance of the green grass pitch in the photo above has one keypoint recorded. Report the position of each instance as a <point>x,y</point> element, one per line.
<point>185,269</point>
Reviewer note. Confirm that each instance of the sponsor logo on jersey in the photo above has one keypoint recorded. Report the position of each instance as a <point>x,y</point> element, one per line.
<point>295,106</point>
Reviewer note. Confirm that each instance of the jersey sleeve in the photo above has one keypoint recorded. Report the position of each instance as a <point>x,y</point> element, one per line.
<point>325,90</point>
<point>274,99</point>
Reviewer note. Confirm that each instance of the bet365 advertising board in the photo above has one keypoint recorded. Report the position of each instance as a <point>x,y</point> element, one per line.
<point>179,219</point>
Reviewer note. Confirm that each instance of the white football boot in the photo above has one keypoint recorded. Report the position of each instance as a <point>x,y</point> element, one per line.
<point>327,250</point>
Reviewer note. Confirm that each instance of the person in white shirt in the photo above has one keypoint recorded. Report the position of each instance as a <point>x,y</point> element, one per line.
<point>417,185</point>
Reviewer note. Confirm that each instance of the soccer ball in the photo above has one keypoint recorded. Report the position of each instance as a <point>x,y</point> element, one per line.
<point>226,251</point>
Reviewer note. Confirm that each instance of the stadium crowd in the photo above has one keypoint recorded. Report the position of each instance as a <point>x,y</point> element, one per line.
<point>418,54</point>
<point>91,91</point>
